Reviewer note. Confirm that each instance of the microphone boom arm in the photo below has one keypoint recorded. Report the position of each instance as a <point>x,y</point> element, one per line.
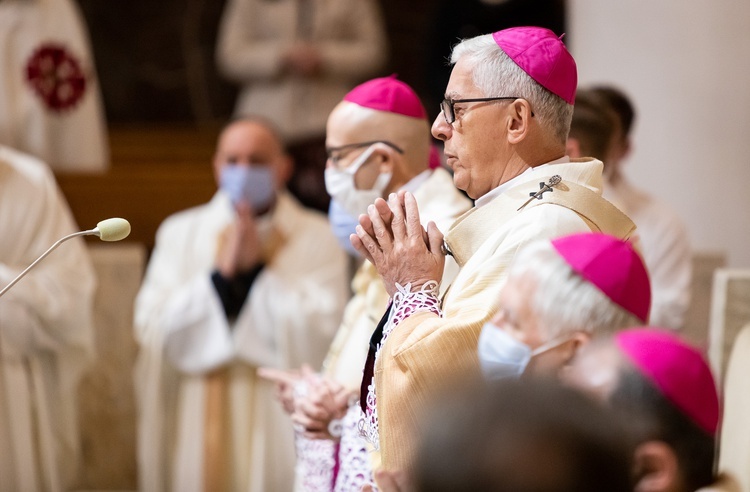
<point>44,255</point>
<point>113,229</point>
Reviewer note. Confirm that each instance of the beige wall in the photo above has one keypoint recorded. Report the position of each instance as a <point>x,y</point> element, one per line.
<point>687,67</point>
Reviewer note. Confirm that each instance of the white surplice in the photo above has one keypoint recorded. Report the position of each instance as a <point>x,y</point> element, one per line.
<point>65,128</point>
<point>666,251</point>
<point>289,318</point>
<point>46,333</point>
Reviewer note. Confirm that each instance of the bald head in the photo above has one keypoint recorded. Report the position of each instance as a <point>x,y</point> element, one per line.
<point>252,142</point>
<point>351,123</point>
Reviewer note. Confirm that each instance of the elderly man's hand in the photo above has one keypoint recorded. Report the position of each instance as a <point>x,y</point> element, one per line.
<point>393,239</point>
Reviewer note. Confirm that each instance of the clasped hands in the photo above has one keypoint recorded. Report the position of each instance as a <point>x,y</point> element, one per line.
<point>392,238</point>
<point>303,59</point>
<point>240,248</point>
<point>323,400</point>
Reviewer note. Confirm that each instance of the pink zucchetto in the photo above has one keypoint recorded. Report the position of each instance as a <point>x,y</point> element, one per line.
<point>678,370</point>
<point>612,266</point>
<point>543,56</point>
<point>387,94</point>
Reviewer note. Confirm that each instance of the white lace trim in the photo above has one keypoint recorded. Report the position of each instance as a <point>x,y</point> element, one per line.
<point>316,460</point>
<point>368,420</point>
<point>405,303</point>
<point>355,468</point>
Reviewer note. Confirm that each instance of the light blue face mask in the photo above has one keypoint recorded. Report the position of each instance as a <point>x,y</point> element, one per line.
<point>343,225</point>
<point>503,357</point>
<point>252,184</point>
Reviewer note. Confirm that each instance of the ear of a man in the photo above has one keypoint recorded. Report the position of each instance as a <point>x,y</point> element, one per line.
<point>519,120</point>
<point>656,468</point>
<point>387,158</point>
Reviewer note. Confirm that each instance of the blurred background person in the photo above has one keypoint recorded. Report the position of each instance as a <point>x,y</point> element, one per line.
<point>664,389</point>
<point>295,60</point>
<point>530,436</point>
<point>605,114</point>
<point>46,330</point>
<point>378,141</point>
<point>50,104</point>
<point>249,279</point>
<point>592,129</point>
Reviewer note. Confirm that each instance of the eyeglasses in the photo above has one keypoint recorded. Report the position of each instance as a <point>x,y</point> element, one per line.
<point>447,106</point>
<point>335,154</point>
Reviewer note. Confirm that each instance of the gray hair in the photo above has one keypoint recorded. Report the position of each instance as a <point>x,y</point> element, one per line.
<point>497,75</point>
<point>563,300</point>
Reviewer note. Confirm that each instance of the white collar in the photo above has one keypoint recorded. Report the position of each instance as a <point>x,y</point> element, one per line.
<point>495,192</point>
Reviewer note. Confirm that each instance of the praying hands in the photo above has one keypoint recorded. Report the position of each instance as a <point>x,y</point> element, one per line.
<point>393,239</point>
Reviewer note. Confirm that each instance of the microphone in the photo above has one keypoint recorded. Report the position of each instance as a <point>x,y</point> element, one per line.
<point>114,229</point>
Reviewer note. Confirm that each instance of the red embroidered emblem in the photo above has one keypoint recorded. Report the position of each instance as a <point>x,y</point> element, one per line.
<point>56,77</point>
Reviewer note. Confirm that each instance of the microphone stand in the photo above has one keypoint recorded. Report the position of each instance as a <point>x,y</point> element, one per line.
<point>58,243</point>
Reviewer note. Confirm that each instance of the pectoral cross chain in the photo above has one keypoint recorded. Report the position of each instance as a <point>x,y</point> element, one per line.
<point>543,188</point>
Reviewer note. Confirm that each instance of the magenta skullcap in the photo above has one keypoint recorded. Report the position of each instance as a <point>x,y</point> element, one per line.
<point>678,370</point>
<point>612,265</point>
<point>388,94</point>
<point>543,56</point>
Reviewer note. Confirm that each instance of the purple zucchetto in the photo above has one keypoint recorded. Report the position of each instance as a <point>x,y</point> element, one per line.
<point>612,266</point>
<point>543,56</point>
<point>388,94</point>
<point>678,370</point>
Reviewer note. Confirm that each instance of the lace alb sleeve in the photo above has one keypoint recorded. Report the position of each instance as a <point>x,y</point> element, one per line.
<point>406,303</point>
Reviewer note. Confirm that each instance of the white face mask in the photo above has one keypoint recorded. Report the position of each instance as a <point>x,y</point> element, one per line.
<point>340,185</point>
<point>502,357</point>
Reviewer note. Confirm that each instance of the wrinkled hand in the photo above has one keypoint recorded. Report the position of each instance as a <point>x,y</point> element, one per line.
<point>303,59</point>
<point>285,382</point>
<point>325,400</point>
<point>390,481</point>
<point>393,239</point>
<point>240,249</point>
